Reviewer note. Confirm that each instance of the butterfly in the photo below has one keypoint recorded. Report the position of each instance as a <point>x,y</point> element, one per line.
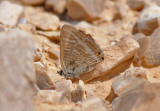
<point>79,53</point>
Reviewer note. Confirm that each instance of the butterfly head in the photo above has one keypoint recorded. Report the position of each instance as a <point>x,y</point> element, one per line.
<point>60,72</point>
<point>67,74</point>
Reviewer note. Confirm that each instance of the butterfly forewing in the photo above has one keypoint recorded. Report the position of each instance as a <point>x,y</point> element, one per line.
<point>78,52</point>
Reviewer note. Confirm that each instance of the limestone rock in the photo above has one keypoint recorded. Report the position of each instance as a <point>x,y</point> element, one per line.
<point>129,79</point>
<point>85,9</point>
<point>157,2</point>
<point>136,4</point>
<point>43,79</point>
<point>93,104</point>
<point>152,57</point>
<point>33,2</point>
<point>149,19</point>
<point>53,35</point>
<point>144,97</point>
<point>16,71</point>
<point>153,74</point>
<point>41,19</point>
<point>52,97</point>
<point>122,8</point>
<point>28,28</point>
<point>79,94</point>
<point>57,5</point>
<point>144,43</point>
<point>9,13</point>
<point>63,85</point>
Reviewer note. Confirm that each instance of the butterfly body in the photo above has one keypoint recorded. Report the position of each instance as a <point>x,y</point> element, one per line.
<point>78,52</point>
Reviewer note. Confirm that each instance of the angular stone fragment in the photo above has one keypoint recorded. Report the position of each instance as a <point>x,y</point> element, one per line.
<point>51,97</point>
<point>41,19</point>
<point>114,55</point>
<point>144,97</point>
<point>43,79</point>
<point>63,85</point>
<point>149,19</point>
<point>53,35</point>
<point>27,27</point>
<point>153,74</point>
<point>9,13</point>
<point>22,21</point>
<point>33,2</point>
<point>157,2</point>
<point>93,104</point>
<point>85,9</point>
<point>136,4</point>
<point>57,5</point>
<point>129,79</point>
<point>109,11</point>
<point>144,45</point>
<point>152,57</point>
<point>122,8</point>
<point>16,71</point>
<point>79,94</point>
<point>2,28</point>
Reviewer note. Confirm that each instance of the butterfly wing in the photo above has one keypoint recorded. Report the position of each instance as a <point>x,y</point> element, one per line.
<point>78,52</point>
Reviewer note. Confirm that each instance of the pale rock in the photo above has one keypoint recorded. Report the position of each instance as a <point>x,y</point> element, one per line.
<point>28,28</point>
<point>153,74</point>
<point>152,57</point>
<point>122,8</point>
<point>53,35</point>
<point>43,79</point>
<point>156,2</point>
<point>51,52</point>
<point>93,104</point>
<point>51,97</point>
<point>41,19</point>
<point>148,19</point>
<point>109,11</point>
<point>2,29</point>
<point>83,25</point>
<point>129,79</point>
<point>144,45</point>
<point>38,55</point>
<point>9,13</point>
<point>63,85</point>
<point>78,95</point>
<point>57,5</point>
<point>63,23</point>
<point>85,9</point>
<point>136,4</point>
<point>144,97</point>
<point>17,76</point>
<point>33,2</point>
<point>22,21</point>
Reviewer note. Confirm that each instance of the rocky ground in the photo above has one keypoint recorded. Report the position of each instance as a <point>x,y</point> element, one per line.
<point>127,31</point>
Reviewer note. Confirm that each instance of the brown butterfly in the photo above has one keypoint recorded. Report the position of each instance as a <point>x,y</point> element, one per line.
<point>79,53</point>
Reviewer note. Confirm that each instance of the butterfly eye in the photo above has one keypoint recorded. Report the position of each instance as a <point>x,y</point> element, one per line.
<point>102,58</point>
<point>61,72</point>
<point>99,53</point>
